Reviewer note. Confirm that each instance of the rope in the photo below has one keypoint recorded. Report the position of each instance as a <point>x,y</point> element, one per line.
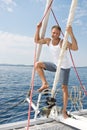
<point>32,87</point>
<point>77,74</point>
<point>33,73</point>
<point>56,20</point>
<point>71,57</point>
<point>47,11</point>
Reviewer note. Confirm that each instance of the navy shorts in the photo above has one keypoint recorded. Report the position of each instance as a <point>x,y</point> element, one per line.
<point>64,73</point>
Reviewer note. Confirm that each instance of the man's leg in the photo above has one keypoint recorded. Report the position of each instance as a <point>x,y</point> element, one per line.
<point>64,77</point>
<point>65,100</point>
<point>39,67</point>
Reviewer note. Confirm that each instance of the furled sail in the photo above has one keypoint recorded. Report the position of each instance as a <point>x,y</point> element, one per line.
<point>44,25</point>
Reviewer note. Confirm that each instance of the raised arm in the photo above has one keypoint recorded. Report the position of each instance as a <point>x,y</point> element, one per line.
<point>73,45</point>
<point>37,38</point>
<point>37,33</point>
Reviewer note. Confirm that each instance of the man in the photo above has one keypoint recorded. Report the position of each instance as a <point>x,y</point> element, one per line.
<point>55,44</point>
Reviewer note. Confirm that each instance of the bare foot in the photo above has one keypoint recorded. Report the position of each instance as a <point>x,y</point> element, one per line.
<point>44,86</point>
<point>65,115</point>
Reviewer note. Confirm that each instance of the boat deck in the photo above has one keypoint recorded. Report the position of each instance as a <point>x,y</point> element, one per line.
<point>49,126</point>
<point>42,124</point>
<point>53,125</point>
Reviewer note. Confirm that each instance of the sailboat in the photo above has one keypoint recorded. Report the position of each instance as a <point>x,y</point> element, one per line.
<point>50,116</point>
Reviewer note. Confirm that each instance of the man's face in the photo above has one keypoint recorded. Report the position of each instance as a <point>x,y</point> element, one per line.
<point>55,33</point>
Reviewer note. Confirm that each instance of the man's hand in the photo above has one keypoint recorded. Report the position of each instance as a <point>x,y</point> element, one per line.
<point>69,30</point>
<point>39,25</point>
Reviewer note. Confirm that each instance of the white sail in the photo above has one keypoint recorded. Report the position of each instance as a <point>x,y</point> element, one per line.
<point>69,22</point>
<point>44,25</point>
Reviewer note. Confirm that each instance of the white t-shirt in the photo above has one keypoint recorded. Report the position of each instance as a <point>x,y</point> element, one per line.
<point>55,52</point>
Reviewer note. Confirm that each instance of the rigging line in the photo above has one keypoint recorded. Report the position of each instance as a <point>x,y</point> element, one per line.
<point>56,21</point>
<point>33,74</point>
<point>77,74</point>
<point>32,87</point>
<point>70,56</point>
<point>47,11</point>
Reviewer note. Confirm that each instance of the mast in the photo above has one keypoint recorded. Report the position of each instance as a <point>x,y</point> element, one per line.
<point>69,22</point>
<point>44,25</point>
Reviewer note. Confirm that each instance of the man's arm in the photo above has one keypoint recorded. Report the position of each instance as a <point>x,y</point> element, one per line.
<point>37,38</point>
<point>73,45</point>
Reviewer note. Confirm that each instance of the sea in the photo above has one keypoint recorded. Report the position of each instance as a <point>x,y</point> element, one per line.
<point>15,83</point>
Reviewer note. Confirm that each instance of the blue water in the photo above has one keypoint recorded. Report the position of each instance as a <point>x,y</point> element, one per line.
<point>14,86</point>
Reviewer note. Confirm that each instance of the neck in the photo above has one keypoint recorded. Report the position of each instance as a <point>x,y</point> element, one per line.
<point>55,41</point>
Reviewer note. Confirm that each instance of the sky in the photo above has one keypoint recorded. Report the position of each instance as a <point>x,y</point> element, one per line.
<point>18,20</point>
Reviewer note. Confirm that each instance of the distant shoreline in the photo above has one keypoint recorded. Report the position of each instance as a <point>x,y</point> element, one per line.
<point>15,65</point>
<point>31,65</point>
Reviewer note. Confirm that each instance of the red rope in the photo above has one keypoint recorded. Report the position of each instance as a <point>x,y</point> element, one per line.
<point>56,20</point>
<point>33,73</point>
<point>71,58</point>
<point>32,88</point>
<point>77,74</point>
<point>47,10</point>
